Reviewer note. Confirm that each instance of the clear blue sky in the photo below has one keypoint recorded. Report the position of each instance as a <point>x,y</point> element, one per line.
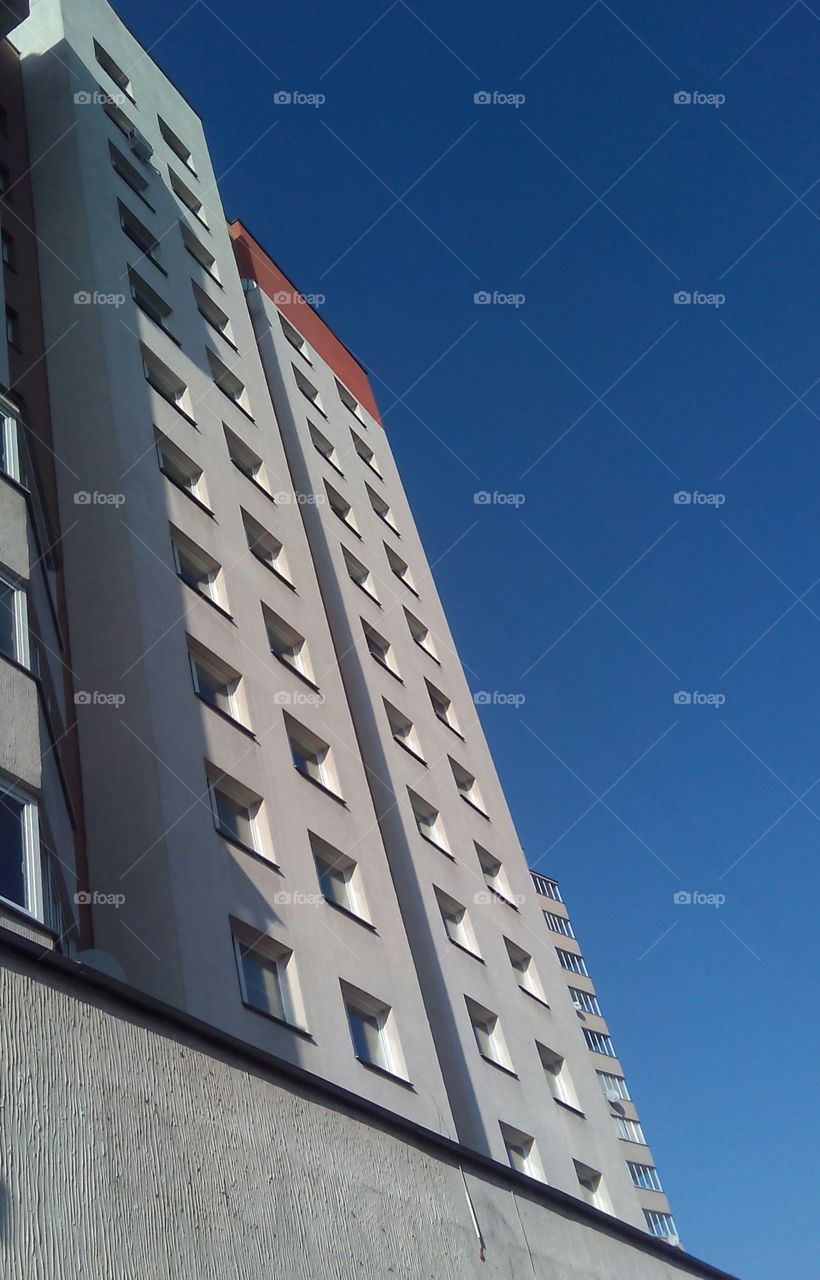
<point>618,595</point>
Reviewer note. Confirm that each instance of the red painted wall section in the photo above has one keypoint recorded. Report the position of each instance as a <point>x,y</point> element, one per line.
<point>255,264</point>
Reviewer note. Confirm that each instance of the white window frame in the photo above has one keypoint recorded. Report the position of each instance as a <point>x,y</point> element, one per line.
<point>280,958</point>
<point>21,644</point>
<point>217,784</point>
<point>10,428</point>
<point>32,856</point>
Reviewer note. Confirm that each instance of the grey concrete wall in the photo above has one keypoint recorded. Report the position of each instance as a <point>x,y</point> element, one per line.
<point>131,1147</point>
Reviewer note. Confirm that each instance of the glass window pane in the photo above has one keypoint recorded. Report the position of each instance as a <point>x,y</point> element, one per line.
<point>263,984</point>
<point>12,850</point>
<point>8,630</point>
<point>234,819</point>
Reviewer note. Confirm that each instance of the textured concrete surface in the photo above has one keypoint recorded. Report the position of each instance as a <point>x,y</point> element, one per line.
<point>132,1149</point>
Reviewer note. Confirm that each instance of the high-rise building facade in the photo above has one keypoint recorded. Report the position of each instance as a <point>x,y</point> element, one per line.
<point>289,824</point>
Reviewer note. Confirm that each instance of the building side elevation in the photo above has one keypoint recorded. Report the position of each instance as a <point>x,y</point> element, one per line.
<point>290,826</point>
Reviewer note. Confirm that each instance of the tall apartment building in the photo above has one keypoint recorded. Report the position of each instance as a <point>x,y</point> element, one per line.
<point>290,826</point>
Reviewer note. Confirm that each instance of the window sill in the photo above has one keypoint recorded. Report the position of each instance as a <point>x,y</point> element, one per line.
<point>315,783</point>
<point>538,999</point>
<point>385,667</point>
<point>215,329</point>
<point>138,194</point>
<point>500,898</point>
<point>410,751</point>
<point>351,915</point>
<point>255,483</point>
<point>270,568</point>
<point>201,595</point>
<point>387,524</point>
<point>317,408</point>
<point>330,462</point>
<point>223,715</point>
<point>474,806</point>
<point>499,1066</point>
<point>433,658</point>
<point>156,323</point>
<point>170,400</point>
<point>245,412</point>
<point>569,1107</point>
<point>435,845</point>
<point>280,1022</point>
<point>202,267</point>
<point>295,672</point>
<point>407,586</point>
<point>466,950</point>
<point>240,844</point>
<point>452,729</point>
<point>192,496</point>
<point>369,594</point>
<point>388,1075</point>
<point>347,525</point>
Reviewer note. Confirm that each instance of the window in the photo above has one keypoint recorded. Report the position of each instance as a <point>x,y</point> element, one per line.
<point>546,887</point>
<point>197,569</point>
<point>265,547</point>
<point>267,978</point>
<point>323,446</point>
<point>181,470</point>
<point>495,877</point>
<point>12,327</point>
<point>213,315</point>
<point>421,635</point>
<point>628,1130</point>
<point>228,382</point>
<point>215,682</point>
<point>167,383</point>
<point>585,1001</point>
<point>199,253</point>
<point>5,181</point>
<point>139,234</point>
<point>9,252</point>
<point>20,878</point>
<point>14,641</point>
<point>400,569</point>
<point>117,116</point>
<point>428,821</point>
<point>366,454</point>
<point>235,810</point>
<point>112,70</point>
<point>521,1151</point>
<point>246,461</point>
<point>380,649</point>
<point>287,645</point>
<point>372,1030</point>
<point>350,402</point>
<point>307,389</point>
<point>149,302</point>
<point>558,924</point>
<point>311,757</point>
<point>176,144</point>
<point>599,1043</point>
<point>593,1184</point>
<point>338,877</point>
<point>661,1224</point>
<point>467,787</point>
<point>488,1034</point>
<point>442,706</point>
<point>360,574</point>
<point>188,197</point>
<point>295,338</point>
<point>557,1076</point>
<point>10,459</point>
<point>456,922</point>
<point>525,971</point>
<point>381,509</point>
<point>341,508</point>
<point>644,1176</point>
<point>403,730</point>
<point>568,960</point>
<point>613,1087</point>
<point>131,176</point>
